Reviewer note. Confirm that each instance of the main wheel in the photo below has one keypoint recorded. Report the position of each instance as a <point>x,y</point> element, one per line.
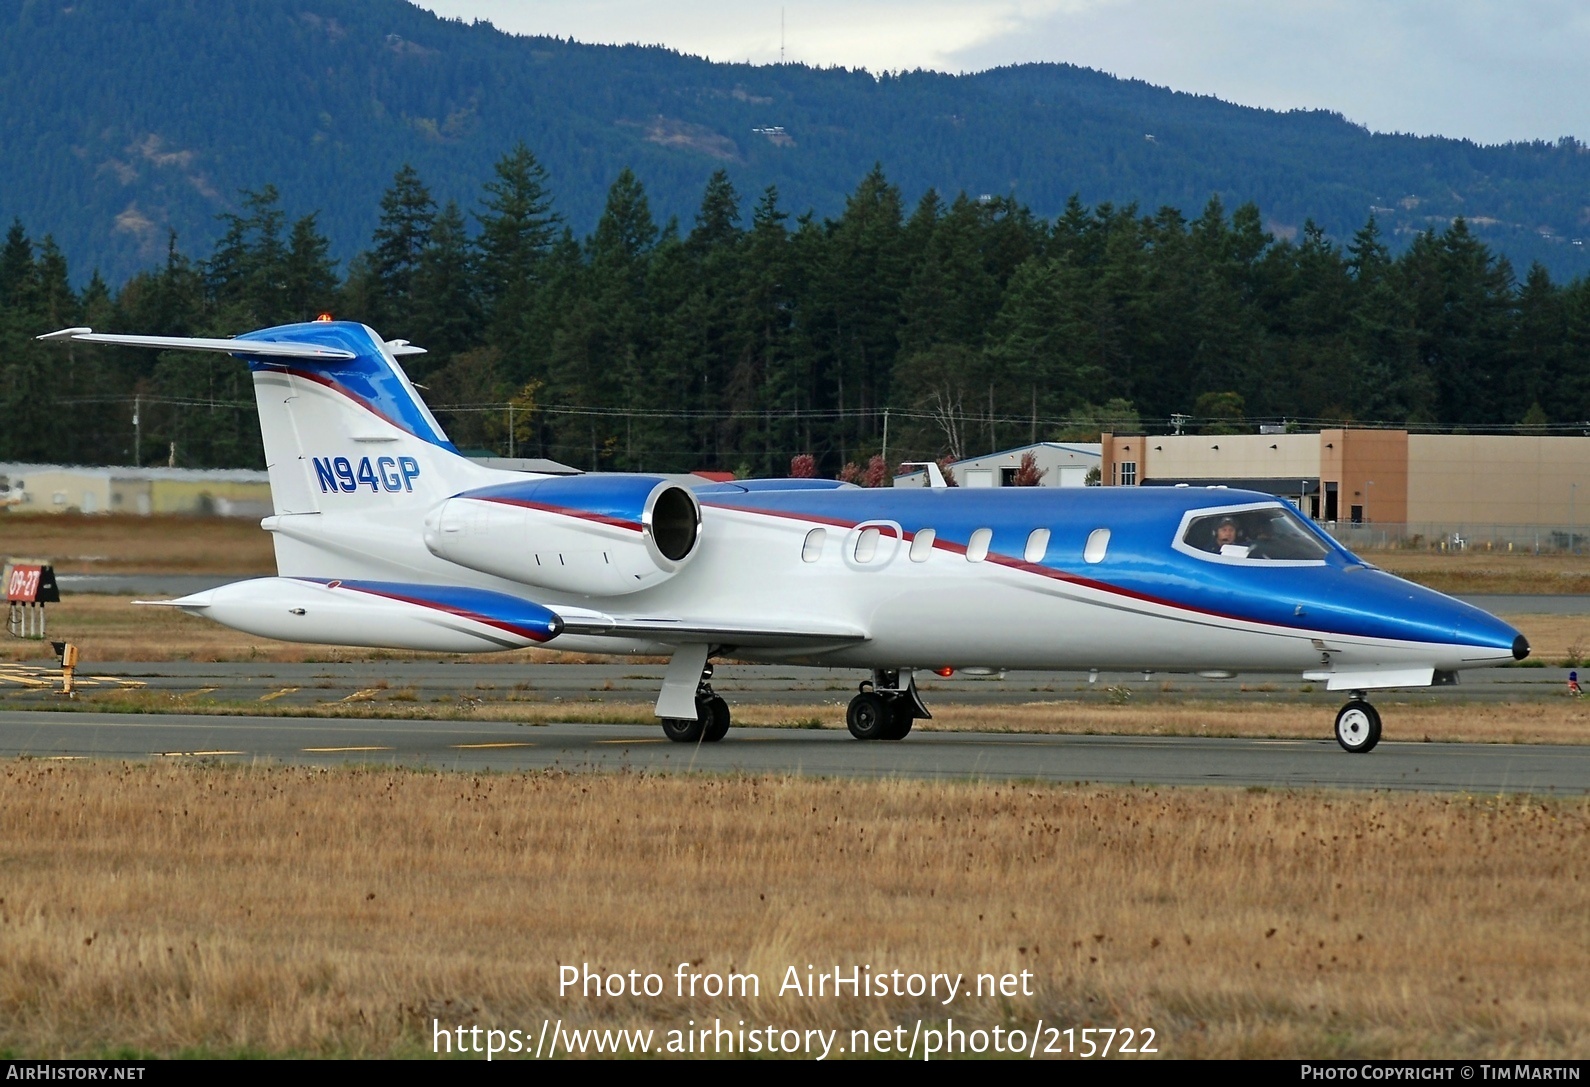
<point>868,717</point>
<point>1358,727</point>
<point>682,731</point>
<point>716,716</point>
<point>901,716</point>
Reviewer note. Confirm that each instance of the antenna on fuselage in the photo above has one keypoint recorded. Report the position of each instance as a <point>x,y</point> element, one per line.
<point>935,476</point>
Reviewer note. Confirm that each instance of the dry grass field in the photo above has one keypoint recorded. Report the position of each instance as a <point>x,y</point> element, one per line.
<point>206,910</point>
<point>122,543</point>
<point>1464,572</point>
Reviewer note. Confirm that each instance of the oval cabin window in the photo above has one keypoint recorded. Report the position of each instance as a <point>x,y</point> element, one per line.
<point>812,549</point>
<point>922,544</point>
<point>977,546</point>
<point>1037,545</point>
<point>867,545</point>
<point>1098,544</point>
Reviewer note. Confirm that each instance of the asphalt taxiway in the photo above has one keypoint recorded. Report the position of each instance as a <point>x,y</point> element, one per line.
<point>480,746</point>
<point>28,729</point>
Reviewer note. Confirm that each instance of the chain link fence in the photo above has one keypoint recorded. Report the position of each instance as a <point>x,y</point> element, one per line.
<point>1448,536</point>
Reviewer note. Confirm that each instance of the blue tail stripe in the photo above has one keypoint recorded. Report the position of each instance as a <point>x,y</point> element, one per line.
<point>368,379</point>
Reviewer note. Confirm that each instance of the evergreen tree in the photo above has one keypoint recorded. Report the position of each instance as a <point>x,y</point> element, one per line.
<point>858,296</point>
<point>1534,371</point>
<point>446,317</point>
<point>246,276</point>
<point>518,230</point>
<point>309,281</point>
<point>399,244</point>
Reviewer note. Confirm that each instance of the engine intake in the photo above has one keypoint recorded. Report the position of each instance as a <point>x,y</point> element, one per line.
<point>593,535</point>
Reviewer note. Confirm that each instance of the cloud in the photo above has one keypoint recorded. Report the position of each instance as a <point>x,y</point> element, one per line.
<point>875,34</point>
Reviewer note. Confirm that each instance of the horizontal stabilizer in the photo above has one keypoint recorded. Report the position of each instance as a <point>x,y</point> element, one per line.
<point>258,348</point>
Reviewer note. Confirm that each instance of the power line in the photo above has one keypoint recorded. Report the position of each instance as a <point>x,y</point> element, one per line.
<point>766,416</point>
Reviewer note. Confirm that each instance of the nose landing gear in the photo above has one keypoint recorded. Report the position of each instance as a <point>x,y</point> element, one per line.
<point>1358,725</point>
<point>884,709</point>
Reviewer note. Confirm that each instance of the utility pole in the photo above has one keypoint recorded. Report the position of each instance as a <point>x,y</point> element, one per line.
<point>510,430</point>
<point>886,438</point>
<point>138,432</point>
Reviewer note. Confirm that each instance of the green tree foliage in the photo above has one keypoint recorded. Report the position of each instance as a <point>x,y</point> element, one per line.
<point>754,337</point>
<point>400,242</point>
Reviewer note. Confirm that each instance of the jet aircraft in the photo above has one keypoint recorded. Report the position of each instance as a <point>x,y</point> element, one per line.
<point>386,537</point>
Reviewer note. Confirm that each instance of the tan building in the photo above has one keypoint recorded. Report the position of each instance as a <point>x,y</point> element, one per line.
<point>1431,483</point>
<point>55,488</point>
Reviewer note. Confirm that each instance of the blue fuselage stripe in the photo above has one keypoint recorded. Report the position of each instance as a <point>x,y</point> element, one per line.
<point>1339,595</point>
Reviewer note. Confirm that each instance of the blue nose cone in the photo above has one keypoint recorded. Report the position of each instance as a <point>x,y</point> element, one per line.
<point>1394,608</point>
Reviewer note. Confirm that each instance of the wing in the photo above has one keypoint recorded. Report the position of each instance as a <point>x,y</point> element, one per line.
<point>455,618</point>
<point>672,631</point>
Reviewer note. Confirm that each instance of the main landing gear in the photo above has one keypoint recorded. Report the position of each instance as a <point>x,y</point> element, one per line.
<point>711,722</point>
<point>1358,725</point>
<point>885,709</point>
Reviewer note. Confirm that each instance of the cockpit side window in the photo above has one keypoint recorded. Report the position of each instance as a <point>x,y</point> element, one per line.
<point>1270,533</point>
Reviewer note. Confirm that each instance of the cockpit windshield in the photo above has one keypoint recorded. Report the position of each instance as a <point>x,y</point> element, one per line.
<point>1270,532</point>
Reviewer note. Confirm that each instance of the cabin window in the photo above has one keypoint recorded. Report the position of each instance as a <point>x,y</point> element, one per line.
<point>922,544</point>
<point>1271,533</point>
<point>812,549</point>
<point>977,546</point>
<point>1098,543</point>
<point>1037,545</point>
<point>867,545</point>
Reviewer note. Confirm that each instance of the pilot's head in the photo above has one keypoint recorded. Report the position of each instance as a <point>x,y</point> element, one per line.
<point>1226,533</point>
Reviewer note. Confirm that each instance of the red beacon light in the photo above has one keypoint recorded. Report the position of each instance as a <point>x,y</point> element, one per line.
<point>323,317</point>
<point>946,672</point>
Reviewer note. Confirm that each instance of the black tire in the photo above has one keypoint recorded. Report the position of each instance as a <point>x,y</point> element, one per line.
<point>901,717</point>
<point>868,717</point>
<point>1358,727</point>
<point>716,717</point>
<point>681,731</point>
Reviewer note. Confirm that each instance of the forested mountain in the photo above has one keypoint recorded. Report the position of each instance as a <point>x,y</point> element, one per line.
<point>124,120</point>
<point>609,266</point>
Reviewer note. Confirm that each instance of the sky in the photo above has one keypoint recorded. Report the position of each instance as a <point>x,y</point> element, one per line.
<point>1476,69</point>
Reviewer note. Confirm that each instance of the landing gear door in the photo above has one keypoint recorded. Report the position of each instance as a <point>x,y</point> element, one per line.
<point>677,699</point>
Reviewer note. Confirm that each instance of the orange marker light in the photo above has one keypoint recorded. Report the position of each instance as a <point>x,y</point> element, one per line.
<point>323,317</point>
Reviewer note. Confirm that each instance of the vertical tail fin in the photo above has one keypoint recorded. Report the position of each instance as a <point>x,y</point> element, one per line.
<point>349,433</point>
<point>344,428</point>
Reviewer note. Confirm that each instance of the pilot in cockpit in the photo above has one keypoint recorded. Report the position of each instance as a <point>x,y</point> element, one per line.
<point>1228,535</point>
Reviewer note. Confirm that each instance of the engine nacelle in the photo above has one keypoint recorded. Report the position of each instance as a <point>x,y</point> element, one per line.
<point>597,535</point>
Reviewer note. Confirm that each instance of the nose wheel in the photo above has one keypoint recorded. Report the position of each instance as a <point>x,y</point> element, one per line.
<point>1358,726</point>
<point>885,709</point>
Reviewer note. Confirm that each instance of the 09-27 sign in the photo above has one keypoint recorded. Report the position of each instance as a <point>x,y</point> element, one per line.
<point>30,583</point>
